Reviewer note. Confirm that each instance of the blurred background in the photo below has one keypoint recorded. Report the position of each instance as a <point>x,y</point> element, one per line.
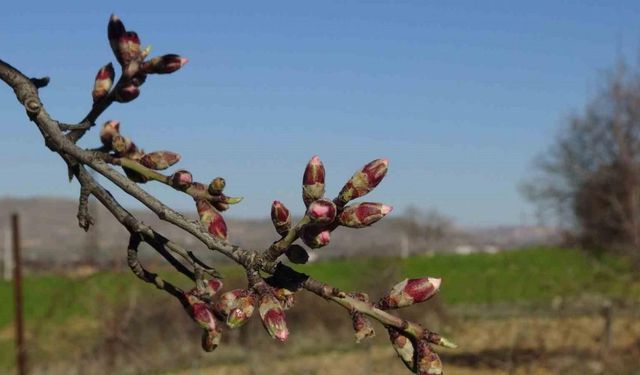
<point>513,133</point>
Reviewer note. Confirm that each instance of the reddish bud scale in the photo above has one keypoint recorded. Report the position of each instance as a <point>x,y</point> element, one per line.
<point>404,348</point>
<point>209,287</point>
<point>125,44</point>
<point>220,206</point>
<point>409,292</point>
<point>108,131</point>
<point>316,237</point>
<point>363,214</point>
<point>272,315</point>
<point>164,64</point>
<point>364,180</point>
<point>429,362</point>
<point>211,219</point>
<point>127,93</point>
<point>211,339</point>
<point>103,82</point>
<point>159,160</point>
<point>322,211</point>
<point>181,179</point>
<point>313,181</point>
<point>281,218</point>
<point>362,327</point>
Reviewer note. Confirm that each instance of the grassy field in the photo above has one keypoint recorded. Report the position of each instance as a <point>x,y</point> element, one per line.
<point>531,275</point>
<point>75,308</point>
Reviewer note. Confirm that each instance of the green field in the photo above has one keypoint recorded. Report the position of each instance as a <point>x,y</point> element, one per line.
<point>528,275</point>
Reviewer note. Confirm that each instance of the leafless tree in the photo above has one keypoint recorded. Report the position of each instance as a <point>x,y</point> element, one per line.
<point>591,175</point>
<point>271,285</point>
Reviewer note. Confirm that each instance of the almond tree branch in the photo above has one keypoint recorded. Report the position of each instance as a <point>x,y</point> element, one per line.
<point>253,261</point>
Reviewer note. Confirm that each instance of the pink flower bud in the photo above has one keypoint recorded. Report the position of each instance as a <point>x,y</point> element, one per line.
<point>209,287</point>
<point>200,312</point>
<point>315,237</point>
<point>403,347</point>
<point>164,64</point>
<point>322,211</point>
<point>272,316</point>
<point>103,82</point>
<point>211,219</point>
<point>109,129</point>
<point>364,180</point>
<point>127,93</point>
<point>362,327</point>
<point>313,181</point>
<point>363,214</point>
<point>409,292</point>
<point>181,179</point>
<point>242,311</point>
<point>159,160</point>
<point>211,339</point>
<point>429,362</point>
<point>281,218</point>
<point>216,186</point>
<point>125,44</point>
<point>228,301</point>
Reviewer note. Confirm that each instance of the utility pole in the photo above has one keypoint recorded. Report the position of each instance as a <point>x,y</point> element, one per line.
<point>21,349</point>
<point>6,254</point>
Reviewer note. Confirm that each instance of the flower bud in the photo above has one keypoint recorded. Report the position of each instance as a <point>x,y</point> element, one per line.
<point>208,287</point>
<point>227,301</point>
<point>159,160</point>
<point>429,362</point>
<point>164,64</point>
<point>281,218</point>
<point>103,82</point>
<point>313,181</point>
<point>109,129</point>
<point>363,214</point>
<point>181,179</point>
<point>285,296</point>
<point>403,347</point>
<point>127,93</point>
<point>409,292</point>
<point>211,219</point>
<point>123,146</point>
<point>362,327</point>
<point>272,316</point>
<point>125,44</point>
<point>315,238</point>
<point>216,186</point>
<point>242,311</point>
<point>322,211</point>
<point>364,180</point>
<point>200,312</point>
<point>211,339</point>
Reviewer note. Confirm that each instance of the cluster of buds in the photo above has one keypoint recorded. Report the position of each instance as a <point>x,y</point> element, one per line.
<point>135,68</point>
<point>325,215</point>
<point>209,200</point>
<point>236,307</point>
<point>201,312</point>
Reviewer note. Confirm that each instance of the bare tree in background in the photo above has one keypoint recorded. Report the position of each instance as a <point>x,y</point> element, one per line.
<point>590,178</point>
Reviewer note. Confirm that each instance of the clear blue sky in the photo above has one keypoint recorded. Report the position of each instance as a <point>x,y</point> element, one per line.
<point>460,96</point>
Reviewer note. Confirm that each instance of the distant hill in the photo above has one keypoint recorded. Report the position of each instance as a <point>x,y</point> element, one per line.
<point>51,234</point>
